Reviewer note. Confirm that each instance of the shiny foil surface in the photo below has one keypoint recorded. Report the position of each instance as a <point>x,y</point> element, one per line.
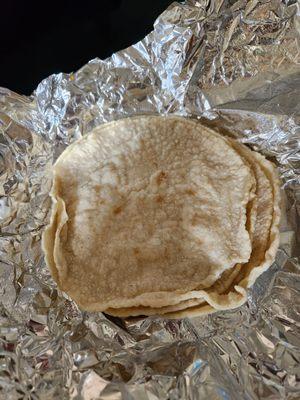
<point>235,66</point>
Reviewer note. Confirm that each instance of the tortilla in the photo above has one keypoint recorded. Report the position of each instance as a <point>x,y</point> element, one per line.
<point>145,211</point>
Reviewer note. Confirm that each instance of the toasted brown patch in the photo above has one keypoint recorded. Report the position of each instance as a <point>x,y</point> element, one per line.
<point>97,188</point>
<point>196,220</point>
<point>160,177</point>
<point>190,192</point>
<point>117,210</point>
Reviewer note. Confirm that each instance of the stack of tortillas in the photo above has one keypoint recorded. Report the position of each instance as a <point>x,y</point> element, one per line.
<point>161,215</point>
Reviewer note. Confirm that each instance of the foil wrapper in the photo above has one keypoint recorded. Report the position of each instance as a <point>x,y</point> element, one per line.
<point>235,66</point>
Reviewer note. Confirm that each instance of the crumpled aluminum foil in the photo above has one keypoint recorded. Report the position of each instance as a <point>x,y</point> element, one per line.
<point>233,64</point>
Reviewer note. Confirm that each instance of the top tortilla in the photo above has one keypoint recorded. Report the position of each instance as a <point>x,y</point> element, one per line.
<point>145,210</point>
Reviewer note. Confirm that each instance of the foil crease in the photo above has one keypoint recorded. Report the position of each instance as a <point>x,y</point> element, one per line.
<point>235,66</point>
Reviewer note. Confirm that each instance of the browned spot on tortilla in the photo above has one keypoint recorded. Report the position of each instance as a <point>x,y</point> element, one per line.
<point>97,188</point>
<point>190,192</point>
<point>101,201</point>
<point>195,220</point>
<point>159,199</point>
<point>117,210</point>
<point>160,177</point>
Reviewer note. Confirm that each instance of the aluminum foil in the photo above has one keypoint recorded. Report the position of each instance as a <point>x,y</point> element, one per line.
<point>235,66</point>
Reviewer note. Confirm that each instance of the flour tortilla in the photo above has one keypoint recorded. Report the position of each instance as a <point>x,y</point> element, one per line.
<point>145,210</point>
<point>264,227</point>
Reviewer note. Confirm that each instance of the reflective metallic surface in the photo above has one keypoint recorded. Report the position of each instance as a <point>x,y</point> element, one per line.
<point>233,64</point>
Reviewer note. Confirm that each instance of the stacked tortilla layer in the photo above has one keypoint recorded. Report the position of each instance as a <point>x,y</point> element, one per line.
<point>161,215</point>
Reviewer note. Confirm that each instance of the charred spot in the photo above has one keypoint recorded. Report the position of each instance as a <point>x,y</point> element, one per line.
<point>136,251</point>
<point>159,199</point>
